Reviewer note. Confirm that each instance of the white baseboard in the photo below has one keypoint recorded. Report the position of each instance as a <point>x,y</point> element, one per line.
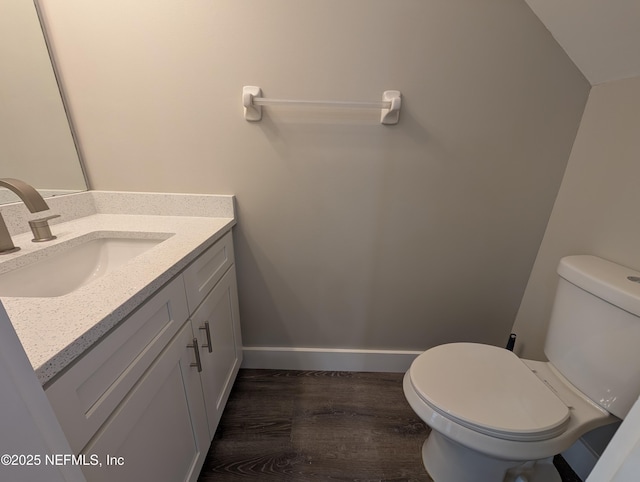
<point>581,458</point>
<point>328,359</point>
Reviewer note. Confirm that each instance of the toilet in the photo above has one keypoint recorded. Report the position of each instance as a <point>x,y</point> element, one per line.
<point>497,418</point>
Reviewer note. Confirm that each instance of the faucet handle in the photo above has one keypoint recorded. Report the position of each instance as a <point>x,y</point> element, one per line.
<point>41,229</point>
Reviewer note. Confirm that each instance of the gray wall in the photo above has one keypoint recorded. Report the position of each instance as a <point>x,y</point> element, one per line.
<point>351,234</point>
<point>597,207</point>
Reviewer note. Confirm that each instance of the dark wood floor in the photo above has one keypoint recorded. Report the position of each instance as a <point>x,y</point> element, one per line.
<point>306,426</point>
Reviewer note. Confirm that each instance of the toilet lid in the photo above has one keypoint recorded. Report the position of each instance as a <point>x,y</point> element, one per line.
<point>489,390</point>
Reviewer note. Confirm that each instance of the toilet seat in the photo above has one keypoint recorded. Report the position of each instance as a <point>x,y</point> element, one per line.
<point>489,390</point>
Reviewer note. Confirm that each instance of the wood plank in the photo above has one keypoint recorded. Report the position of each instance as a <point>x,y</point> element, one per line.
<point>308,425</point>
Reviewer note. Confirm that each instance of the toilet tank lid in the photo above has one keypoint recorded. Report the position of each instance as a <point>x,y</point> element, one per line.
<point>609,281</point>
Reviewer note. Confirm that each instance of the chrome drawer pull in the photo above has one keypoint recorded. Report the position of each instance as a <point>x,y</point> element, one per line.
<point>198,363</point>
<point>207,330</point>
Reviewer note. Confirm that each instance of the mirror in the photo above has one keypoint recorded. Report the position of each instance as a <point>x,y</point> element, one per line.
<point>36,142</point>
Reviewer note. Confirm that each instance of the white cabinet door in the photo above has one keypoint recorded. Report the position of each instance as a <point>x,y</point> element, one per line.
<point>159,432</point>
<point>217,326</point>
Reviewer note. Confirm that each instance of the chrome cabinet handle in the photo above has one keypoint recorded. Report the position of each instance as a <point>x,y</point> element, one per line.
<point>207,330</point>
<point>198,363</point>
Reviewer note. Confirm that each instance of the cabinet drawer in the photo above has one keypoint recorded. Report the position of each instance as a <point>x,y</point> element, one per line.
<point>203,274</point>
<point>85,396</point>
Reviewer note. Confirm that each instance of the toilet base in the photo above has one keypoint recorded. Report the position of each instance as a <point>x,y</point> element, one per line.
<point>448,461</point>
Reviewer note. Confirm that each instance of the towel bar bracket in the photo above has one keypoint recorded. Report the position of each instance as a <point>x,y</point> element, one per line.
<point>391,115</point>
<point>252,112</point>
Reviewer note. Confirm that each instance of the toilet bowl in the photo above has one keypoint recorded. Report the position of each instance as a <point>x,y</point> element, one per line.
<point>492,413</point>
<point>497,418</point>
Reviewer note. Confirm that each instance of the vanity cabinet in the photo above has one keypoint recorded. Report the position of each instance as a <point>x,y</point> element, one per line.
<point>146,400</point>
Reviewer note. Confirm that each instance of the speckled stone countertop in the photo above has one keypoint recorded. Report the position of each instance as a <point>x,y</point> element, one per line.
<point>54,331</point>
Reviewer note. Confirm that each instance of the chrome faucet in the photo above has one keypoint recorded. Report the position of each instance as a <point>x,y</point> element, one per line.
<point>34,202</point>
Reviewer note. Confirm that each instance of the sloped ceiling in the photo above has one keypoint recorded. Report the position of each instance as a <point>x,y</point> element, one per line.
<point>602,37</point>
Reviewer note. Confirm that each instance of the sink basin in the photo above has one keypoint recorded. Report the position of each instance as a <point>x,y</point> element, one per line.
<point>71,267</point>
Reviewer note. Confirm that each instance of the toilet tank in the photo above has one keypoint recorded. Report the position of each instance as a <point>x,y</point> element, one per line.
<point>594,331</point>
